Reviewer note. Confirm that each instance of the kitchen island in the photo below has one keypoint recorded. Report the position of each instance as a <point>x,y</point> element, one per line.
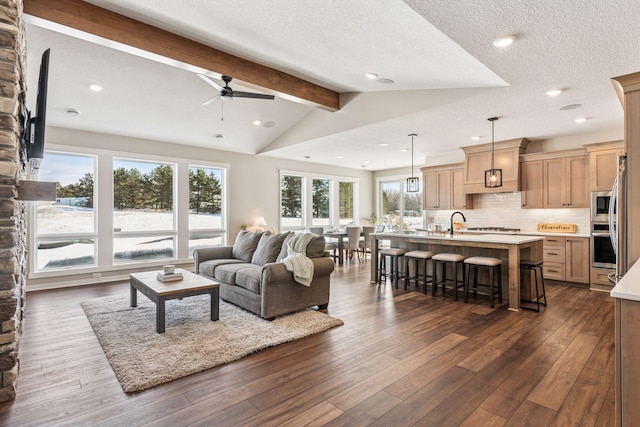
<point>509,248</point>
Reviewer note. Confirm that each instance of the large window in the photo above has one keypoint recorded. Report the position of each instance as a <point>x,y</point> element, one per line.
<point>143,218</point>
<point>66,229</point>
<point>205,207</point>
<point>291,202</point>
<point>321,202</point>
<point>310,200</point>
<point>137,211</point>
<point>400,209</point>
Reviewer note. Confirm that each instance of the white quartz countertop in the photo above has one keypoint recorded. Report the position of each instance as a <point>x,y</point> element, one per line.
<point>509,239</point>
<point>629,286</point>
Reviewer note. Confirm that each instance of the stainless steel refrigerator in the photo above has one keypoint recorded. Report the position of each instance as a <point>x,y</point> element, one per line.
<point>618,220</point>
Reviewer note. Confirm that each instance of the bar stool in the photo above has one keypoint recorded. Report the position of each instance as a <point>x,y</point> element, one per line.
<point>443,259</point>
<point>417,256</point>
<point>494,265</point>
<point>529,265</point>
<point>394,274</point>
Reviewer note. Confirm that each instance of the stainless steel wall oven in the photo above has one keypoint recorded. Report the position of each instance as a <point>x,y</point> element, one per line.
<point>602,253</point>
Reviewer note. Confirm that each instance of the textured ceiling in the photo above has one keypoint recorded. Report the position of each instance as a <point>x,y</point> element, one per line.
<point>448,77</point>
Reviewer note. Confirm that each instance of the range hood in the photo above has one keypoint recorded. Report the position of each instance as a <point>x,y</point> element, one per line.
<point>477,159</point>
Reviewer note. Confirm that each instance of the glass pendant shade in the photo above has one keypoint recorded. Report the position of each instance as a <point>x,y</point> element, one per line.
<point>493,176</point>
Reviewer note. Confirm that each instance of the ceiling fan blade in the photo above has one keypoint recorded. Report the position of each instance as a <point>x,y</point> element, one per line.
<point>210,100</point>
<point>237,94</point>
<point>209,81</point>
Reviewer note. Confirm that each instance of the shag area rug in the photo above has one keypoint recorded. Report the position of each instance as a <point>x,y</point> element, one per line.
<point>142,358</point>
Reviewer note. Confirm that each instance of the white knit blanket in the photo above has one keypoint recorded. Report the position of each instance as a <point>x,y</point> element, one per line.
<point>297,261</point>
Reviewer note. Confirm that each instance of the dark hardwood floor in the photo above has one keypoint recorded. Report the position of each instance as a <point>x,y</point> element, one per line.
<point>402,358</point>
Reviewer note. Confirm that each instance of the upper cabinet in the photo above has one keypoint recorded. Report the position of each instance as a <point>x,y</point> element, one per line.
<point>565,182</point>
<point>532,188</point>
<point>443,188</point>
<point>603,165</point>
<point>555,180</point>
<point>506,157</point>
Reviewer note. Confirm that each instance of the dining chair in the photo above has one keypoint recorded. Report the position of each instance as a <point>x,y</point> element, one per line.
<point>353,241</point>
<point>366,242</point>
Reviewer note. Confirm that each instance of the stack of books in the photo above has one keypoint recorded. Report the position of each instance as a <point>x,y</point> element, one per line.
<point>169,277</point>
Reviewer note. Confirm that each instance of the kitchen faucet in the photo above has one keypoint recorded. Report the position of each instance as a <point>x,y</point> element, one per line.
<point>463,219</point>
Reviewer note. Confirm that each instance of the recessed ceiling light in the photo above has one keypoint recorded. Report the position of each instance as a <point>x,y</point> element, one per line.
<point>383,144</point>
<point>269,124</point>
<point>73,112</point>
<point>363,166</point>
<point>476,138</point>
<point>404,150</point>
<point>372,76</point>
<point>570,107</point>
<point>580,120</point>
<point>257,122</point>
<point>307,157</point>
<point>219,136</point>
<point>339,157</point>
<point>95,87</point>
<point>554,92</point>
<point>367,161</point>
<point>385,81</point>
<point>504,41</point>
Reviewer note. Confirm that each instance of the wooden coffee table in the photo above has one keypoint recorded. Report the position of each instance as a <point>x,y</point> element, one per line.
<point>159,292</point>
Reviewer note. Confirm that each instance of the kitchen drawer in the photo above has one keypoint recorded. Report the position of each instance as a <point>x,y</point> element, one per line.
<point>551,253</point>
<point>599,276</point>
<point>554,240</point>
<point>553,270</point>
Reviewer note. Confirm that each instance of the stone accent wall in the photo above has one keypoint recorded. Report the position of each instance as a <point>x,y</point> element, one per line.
<point>12,212</point>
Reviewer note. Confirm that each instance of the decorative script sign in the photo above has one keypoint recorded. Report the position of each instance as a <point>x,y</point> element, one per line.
<point>557,228</point>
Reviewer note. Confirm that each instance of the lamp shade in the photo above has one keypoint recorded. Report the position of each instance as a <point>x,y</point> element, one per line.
<point>260,222</point>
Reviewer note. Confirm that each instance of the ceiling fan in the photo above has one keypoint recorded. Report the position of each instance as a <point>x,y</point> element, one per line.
<point>227,93</point>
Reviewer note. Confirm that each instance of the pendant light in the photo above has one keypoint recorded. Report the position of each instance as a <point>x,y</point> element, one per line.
<point>493,176</point>
<point>413,184</point>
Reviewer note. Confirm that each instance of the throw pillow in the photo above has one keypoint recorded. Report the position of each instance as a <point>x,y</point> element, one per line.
<point>268,248</point>
<point>245,245</point>
<point>315,248</point>
<point>284,252</point>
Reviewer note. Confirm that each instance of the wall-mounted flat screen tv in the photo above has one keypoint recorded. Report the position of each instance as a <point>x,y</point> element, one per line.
<point>33,137</point>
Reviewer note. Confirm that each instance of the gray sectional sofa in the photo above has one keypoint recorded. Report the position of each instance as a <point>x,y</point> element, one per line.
<point>252,276</point>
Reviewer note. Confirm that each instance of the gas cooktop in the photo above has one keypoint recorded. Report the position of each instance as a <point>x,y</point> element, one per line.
<point>495,229</point>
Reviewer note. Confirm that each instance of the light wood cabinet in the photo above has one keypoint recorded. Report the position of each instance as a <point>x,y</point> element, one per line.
<point>603,165</point>
<point>577,260</point>
<point>507,157</point>
<point>437,188</point>
<point>565,182</point>
<point>532,186</point>
<point>566,258</point>
<point>459,200</point>
<point>444,188</point>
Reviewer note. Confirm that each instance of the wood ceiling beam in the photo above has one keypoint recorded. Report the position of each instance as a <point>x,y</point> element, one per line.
<point>109,25</point>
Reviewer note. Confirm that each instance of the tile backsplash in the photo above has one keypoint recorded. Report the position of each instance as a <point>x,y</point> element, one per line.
<point>504,210</point>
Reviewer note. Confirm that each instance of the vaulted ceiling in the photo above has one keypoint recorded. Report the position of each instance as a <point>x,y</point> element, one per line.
<point>438,73</point>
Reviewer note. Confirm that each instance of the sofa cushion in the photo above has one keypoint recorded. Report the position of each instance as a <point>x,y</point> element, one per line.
<point>284,251</point>
<point>227,272</point>
<point>207,268</point>
<point>268,248</point>
<point>315,248</point>
<point>249,278</point>
<point>245,245</point>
